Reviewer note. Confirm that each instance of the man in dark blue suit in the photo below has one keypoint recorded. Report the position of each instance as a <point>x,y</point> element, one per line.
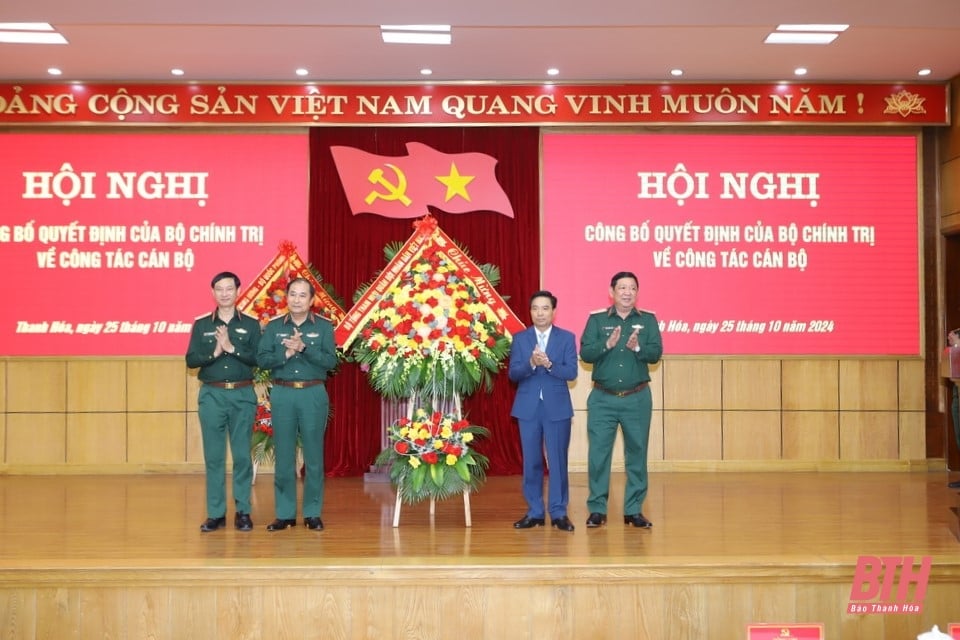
<point>542,359</point>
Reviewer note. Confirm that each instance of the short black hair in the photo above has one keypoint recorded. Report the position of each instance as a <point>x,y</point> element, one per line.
<point>623,274</point>
<point>313,291</point>
<point>222,276</point>
<point>544,294</point>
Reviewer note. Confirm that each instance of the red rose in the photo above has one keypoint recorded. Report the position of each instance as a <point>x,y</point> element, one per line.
<point>491,342</point>
<point>401,447</point>
<point>430,457</point>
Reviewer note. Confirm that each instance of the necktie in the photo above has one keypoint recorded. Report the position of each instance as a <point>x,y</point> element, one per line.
<point>542,343</point>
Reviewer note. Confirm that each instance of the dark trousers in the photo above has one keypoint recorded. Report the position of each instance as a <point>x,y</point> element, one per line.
<point>227,414</point>
<point>632,414</point>
<point>300,412</point>
<point>537,435</point>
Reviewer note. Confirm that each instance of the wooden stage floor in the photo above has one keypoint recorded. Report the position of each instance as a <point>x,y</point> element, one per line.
<point>726,549</point>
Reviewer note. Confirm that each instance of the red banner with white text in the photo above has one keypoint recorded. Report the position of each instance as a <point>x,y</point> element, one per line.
<point>108,242</point>
<point>743,245</point>
<point>488,104</point>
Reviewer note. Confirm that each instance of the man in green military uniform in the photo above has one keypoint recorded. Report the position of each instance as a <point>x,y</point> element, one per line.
<point>620,342</point>
<point>223,345</point>
<point>299,351</point>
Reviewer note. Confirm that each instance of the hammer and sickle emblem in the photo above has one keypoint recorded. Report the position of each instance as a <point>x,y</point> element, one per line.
<point>394,191</point>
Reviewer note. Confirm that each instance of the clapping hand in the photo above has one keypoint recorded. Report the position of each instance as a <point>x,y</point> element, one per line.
<point>613,338</point>
<point>540,359</point>
<point>223,340</point>
<point>294,344</point>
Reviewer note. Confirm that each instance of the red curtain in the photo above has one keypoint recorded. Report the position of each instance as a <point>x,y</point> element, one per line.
<point>347,250</point>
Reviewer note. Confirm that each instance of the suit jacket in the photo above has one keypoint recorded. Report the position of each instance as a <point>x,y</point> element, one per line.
<point>531,382</point>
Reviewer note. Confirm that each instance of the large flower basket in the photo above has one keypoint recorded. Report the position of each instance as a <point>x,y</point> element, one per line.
<point>431,325</point>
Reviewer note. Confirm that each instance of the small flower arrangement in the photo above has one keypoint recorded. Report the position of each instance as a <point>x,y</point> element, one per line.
<point>430,456</point>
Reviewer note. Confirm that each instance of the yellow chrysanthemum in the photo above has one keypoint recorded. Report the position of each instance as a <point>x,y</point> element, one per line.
<point>414,462</point>
<point>467,437</point>
<point>446,432</point>
<point>451,459</point>
<point>438,444</point>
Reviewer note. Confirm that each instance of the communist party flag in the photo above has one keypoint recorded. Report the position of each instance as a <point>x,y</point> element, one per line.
<point>403,186</point>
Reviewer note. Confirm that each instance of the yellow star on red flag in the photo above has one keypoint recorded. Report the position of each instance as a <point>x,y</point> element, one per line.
<point>456,184</point>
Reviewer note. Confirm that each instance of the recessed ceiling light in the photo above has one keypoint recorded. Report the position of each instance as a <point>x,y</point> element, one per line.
<point>54,71</point>
<point>302,72</point>
<point>26,26</point>
<point>31,37</point>
<point>553,71</point>
<point>800,71</point>
<point>440,28</point>
<point>29,33</point>
<point>416,33</point>
<point>410,37</point>
<point>176,72</point>
<point>831,28</point>
<point>924,72</point>
<point>799,37</point>
<point>805,33</point>
<point>676,73</point>
<point>426,72</point>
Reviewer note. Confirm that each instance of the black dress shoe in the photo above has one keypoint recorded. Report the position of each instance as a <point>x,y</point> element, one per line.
<point>212,524</point>
<point>954,485</point>
<point>279,524</point>
<point>596,519</point>
<point>563,523</point>
<point>242,521</point>
<point>638,521</point>
<point>313,523</point>
<point>526,522</point>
